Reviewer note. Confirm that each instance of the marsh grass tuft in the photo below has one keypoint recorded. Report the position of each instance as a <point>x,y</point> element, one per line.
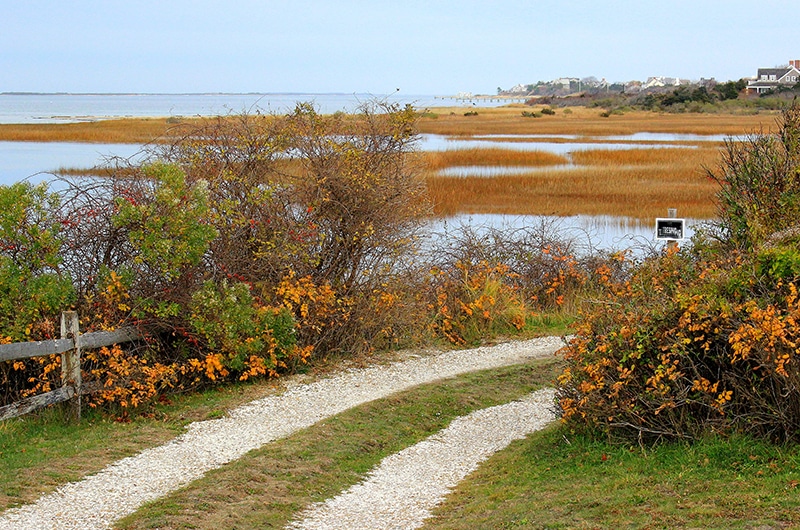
<point>491,157</point>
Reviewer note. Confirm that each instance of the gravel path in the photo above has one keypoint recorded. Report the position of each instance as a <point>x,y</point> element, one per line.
<point>97,501</point>
<point>401,491</point>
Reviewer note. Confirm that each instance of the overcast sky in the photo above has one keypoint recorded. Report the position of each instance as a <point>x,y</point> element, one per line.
<point>359,46</point>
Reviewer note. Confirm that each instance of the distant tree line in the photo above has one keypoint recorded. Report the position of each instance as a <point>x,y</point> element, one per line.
<point>691,94</point>
<point>697,97</point>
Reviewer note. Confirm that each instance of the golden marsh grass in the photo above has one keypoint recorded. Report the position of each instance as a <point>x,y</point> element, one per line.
<point>639,183</point>
<point>679,157</point>
<point>619,183</point>
<point>637,193</point>
<point>583,121</point>
<point>123,131</point>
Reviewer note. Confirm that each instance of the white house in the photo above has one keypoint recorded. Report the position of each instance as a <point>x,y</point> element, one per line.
<point>659,82</point>
<point>772,78</point>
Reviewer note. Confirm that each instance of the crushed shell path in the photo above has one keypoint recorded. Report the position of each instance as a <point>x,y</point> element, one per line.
<point>98,500</point>
<point>406,486</point>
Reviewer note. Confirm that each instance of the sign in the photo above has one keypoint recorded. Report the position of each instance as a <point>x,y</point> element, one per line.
<point>670,229</point>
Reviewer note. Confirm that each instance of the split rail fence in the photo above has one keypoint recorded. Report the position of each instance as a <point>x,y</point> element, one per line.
<point>69,346</point>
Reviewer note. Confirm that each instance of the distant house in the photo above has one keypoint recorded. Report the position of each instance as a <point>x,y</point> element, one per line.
<point>772,78</point>
<point>565,82</point>
<point>660,82</point>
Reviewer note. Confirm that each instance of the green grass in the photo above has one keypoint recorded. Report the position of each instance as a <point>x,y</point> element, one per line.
<point>556,480</point>
<point>552,323</point>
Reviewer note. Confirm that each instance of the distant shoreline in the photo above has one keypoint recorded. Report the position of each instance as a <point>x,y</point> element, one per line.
<point>25,93</point>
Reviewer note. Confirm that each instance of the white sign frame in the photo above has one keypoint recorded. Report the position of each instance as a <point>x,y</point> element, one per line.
<point>661,221</point>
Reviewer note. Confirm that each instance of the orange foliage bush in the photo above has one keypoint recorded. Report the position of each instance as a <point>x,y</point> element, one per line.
<point>704,339</point>
<point>473,302</point>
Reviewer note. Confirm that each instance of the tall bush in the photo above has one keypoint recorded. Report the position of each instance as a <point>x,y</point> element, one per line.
<point>335,201</point>
<point>33,286</point>
<point>167,226</point>
<point>759,179</point>
<point>704,339</point>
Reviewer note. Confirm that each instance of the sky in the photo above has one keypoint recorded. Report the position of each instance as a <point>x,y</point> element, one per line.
<point>426,47</point>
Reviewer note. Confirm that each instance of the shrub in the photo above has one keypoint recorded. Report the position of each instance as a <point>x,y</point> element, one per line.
<point>33,287</point>
<point>252,339</point>
<point>703,339</point>
<point>337,201</point>
<point>166,221</point>
<point>475,301</point>
<point>759,182</point>
<point>489,281</point>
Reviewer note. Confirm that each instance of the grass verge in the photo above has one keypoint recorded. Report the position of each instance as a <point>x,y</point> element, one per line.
<point>556,480</point>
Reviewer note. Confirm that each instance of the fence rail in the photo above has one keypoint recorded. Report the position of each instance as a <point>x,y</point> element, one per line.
<point>69,346</point>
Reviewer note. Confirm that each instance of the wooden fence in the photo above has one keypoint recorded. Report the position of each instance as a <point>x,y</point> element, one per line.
<point>69,346</point>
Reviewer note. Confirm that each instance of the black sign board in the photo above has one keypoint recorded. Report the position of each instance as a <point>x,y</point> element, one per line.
<point>670,229</point>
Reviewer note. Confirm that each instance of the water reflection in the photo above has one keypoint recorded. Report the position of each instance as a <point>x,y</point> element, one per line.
<point>670,137</point>
<point>36,161</point>
<point>588,233</point>
<point>498,171</point>
<point>435,142</point>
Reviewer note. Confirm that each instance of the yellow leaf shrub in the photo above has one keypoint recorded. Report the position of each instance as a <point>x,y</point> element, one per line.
<point>694,343</point>
<point>474,302</point>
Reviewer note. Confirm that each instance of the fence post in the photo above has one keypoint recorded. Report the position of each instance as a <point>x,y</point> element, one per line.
<point>71,361</point>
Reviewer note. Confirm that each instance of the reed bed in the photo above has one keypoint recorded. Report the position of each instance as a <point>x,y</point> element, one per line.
<point>123,131</point>
<point>685,158</point>
<point>626,184</point>
<point>582,121</point>
<point>492,157</point>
